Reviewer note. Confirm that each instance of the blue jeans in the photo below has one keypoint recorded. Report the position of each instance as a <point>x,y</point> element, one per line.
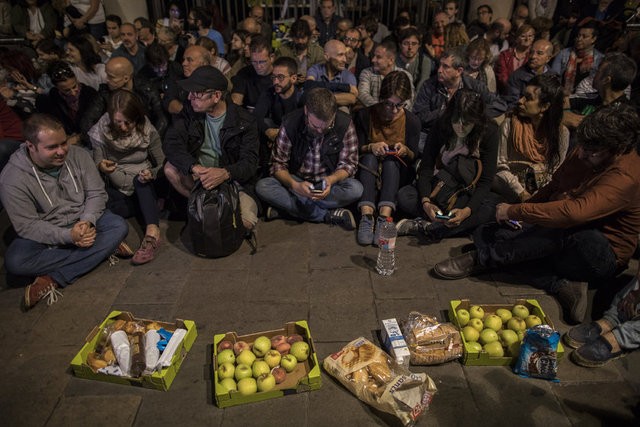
<point>65,264</point>
<point>342,194</point>
<point>393,173</point>
<point>583,255</point>
<point>626,331</point>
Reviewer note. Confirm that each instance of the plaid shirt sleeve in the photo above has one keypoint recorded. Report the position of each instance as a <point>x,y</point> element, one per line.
<point>348,160</point>
<point>281,152</point>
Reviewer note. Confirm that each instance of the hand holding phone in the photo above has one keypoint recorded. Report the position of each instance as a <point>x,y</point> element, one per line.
<point>318,187</point>
<point>440,215</point>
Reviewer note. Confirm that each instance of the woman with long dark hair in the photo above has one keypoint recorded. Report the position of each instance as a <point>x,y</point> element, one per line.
<point>462,134</point>
<point>85,62</point>
<point>533,142</point>
<point>128,151</point>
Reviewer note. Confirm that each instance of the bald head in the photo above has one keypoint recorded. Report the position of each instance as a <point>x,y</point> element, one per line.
<point>251,25</point>
<point>335,55</point>
<point>119,72</point>
<point>195,56</point>
<point>541,54</point>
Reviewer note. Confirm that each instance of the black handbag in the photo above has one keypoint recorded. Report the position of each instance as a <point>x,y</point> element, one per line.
<point>214,225</point>
<point>454,183</point>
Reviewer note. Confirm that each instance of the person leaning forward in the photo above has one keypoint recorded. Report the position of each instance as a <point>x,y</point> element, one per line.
<point>213,140</point>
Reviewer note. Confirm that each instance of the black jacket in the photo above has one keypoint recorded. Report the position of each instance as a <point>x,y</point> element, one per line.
<point>362,122</point>
<point>238,139</point>
<point>91,108</point>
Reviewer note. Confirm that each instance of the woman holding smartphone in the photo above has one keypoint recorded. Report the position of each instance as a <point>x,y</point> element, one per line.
<point>128,151</point>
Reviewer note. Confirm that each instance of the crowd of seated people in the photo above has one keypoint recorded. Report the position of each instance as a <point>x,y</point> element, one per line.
<point>344,115</point>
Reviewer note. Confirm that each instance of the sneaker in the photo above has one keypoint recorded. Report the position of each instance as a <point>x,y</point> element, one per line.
<point>595,354</point>
<point>582,334</point>
<point>271,214</point>
<point>147,250</point>
<point>411,227</point>
<point>123,250</point>
<point>365,230</point>
<point>573,299</point>
<point>42,287</point>
<point>341,217</point>
<point>379,222</point>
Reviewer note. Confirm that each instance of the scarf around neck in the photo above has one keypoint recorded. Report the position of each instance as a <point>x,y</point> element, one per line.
<point>525,142</point>
<point>391,132</point>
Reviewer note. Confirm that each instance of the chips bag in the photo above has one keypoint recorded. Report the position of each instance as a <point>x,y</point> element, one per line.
<point>538,354</point>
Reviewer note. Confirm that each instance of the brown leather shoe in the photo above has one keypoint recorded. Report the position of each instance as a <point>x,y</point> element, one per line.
<point>42,287</point>
<point>458,267</point>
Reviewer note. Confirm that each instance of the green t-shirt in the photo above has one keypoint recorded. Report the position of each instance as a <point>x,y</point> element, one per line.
<point>211,150</point>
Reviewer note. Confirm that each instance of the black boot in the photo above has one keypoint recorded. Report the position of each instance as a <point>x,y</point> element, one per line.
<point>573,299</point>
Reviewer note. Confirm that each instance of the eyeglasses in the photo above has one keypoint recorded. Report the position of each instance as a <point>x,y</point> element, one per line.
<point>351,39</point>
<point>393,106</point>
<point>409,44</point>
<point>62,74</point>
<point>279,77</point>
<point>200,95</point>
<point>318,127</point>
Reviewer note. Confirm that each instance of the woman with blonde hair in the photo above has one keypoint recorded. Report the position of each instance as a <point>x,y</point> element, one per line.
<point>128,151</point>
<point>478,63</point>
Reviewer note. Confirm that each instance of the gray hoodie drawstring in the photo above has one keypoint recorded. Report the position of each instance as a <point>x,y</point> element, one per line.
<point>75,185</point>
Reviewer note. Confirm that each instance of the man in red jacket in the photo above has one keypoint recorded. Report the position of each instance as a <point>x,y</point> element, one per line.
<point>581,227</point>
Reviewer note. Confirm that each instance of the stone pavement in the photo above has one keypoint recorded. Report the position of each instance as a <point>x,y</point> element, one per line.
<point>301,271</point>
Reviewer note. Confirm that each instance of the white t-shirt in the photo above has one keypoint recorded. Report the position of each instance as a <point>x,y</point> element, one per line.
<point>84,5</point>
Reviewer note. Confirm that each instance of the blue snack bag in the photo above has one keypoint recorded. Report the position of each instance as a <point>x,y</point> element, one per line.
<point>538,354</point>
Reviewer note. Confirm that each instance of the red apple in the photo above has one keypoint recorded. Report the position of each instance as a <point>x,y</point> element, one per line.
<point>279,373</point>
<point>284,348</point>
<point>225,344</point>
<point>294,338</point>
<point>277,340</point>
<point>240,346</point>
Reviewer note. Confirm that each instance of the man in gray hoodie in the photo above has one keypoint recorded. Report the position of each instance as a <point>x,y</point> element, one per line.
<point>55,199</point>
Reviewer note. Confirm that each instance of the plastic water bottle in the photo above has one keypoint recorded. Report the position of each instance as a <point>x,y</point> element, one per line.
<point>386,263</point>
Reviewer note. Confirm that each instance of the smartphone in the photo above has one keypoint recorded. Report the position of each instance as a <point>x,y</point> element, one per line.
<point>318,187</point>
<point>440,215</point>
<point>390,151</point>
<point>516,225</point>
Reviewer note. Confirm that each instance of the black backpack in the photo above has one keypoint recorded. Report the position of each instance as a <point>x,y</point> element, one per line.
<point>214,225</point>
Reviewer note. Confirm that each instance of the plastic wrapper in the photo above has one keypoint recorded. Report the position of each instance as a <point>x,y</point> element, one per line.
<point>538,354</point>
<point>151,352</point>
<point>431,342</point>
<point>138,363</point>
<point>376,379</point>
<point>122,350</point>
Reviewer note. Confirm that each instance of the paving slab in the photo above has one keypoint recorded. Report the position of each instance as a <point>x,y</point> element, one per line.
<point>96,411</point>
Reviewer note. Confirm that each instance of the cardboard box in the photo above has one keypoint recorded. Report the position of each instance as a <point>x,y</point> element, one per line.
<point>475,358</point>
<point>159,380</point>
<point>306,376</point>
<point>394,342</point>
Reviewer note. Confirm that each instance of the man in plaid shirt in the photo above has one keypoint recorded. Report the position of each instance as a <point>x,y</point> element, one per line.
<point>314,160</point>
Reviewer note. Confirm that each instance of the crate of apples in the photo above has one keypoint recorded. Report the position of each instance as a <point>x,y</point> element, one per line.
<point>492,333</point>
<point>264,365</point>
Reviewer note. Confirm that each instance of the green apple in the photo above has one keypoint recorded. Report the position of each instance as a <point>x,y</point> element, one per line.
<point>532,320</point>
<point>272,357</point>
<point>516,324</point>
<point>226,370</point>
<point>226,356</point>
<point>493,321</point>
<point>289,362</point>
<point>521,335</point>
<point>463,317</point>
<point>474,346</point>
<point>508,337</point>
<point>266,382</point>
<point>300,350</point>
<point>261,345</point>
<point>494,349</point>
<point>260,367</point>
<point>247,386</point>
<point>476,312</point>
<point>504,314</point>
<point>243,371</point>
<point>520,311</point>
<point>476,324</point>
<point>246,357</point>
<point>487,336</point>
<point>470,334</point>
<point>228,384</point>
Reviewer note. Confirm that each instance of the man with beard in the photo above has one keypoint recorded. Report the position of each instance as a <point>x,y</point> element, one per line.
<point>314,160</point>
<point>55,199</point>
<point>541,54</point>
<point>120,76</point>
<point>75,105</point>
<point>333,74</point>
<point>254,78</point>
<point>356,60</point>
<point>581,227</point>
<point>131,48</point>
<point>273,104</point>
<point>301,49</point>
<point>213,141</point>
<point>194,57</point>
<point>498,36</point>
<point>383,62</point>
<point>434,42</point>
<point>416,63</point>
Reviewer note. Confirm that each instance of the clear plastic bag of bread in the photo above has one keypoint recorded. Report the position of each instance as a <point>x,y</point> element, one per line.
<point>431,342</point>
<point>376,379</point>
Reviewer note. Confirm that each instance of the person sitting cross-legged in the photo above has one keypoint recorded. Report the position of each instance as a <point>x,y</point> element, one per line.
<point>314,160</point>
